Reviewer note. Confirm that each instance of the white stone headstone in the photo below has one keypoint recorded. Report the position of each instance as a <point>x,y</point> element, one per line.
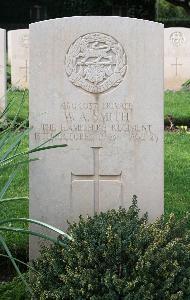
<point>9,46</point>
<point>2,69</point>
<point>98,80</point>
<point>176,57</point>
<point>19,42</point>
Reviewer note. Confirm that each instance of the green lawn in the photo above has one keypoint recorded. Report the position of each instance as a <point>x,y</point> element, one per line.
<point>16,97</point>
<point>177,183</point>
<point>177,169</point>
<point>19,187</point>
<point>177,104</point>
<point>177,173</point>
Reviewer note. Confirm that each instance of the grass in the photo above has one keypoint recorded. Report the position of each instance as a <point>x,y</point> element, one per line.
<point>177,168</point>
<point>18,96</point>
<point>177,183</point>
<point>19,187</point>
<point>177,173</point>
<point>13,290</point>
<point>177,104</point>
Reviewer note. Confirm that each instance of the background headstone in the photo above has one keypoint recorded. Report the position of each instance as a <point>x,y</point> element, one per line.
<point>2,69</point>
<point>9,45</point>
<point>98,80</point>
<point>19,41</point>
<point>176,57</point>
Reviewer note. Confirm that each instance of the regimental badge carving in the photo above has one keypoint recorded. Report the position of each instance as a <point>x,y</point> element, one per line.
<point>177,38</point>
<point>96,62</point>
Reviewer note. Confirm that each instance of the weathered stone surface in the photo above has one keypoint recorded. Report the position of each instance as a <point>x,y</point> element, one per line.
<point>2,69</point>
<point>176,57</point>
<point>98,80</point>
<point>19,57</point>
<point>9,46</point>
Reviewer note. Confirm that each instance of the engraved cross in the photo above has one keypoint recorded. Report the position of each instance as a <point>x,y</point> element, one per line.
<point>26,70</point>
<point>96,178</point>
<point>176,65</point>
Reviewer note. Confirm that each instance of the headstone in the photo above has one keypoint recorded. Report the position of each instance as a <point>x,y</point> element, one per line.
<point>99,82</point>
<point>2,69</point>
<point>9,46</point>
<point>176,57</point>
<point>19,42</point>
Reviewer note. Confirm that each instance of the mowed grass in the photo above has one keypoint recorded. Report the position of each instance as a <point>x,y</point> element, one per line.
<point>177,173</point>
<point>177,169</point>
<point>19,187</point>
<point>16,97</point>
<point>177,104</point>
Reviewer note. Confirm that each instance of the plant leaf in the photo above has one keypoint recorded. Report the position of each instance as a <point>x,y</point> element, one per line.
<point>42,224</point>
<point>2,241</point>
<point>40,235</point>
<point>13,199</point>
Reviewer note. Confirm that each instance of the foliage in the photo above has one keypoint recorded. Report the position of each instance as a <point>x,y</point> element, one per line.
<point>117,255</point>
<point>182,3</point>
<point>177,179</point>
<point>14,97</point>
<point>14,290</point>
<point>177,172</point>
<point>167,11</point>
<point>20,186</point>
<point>186,85</point>
<point>13,159</point>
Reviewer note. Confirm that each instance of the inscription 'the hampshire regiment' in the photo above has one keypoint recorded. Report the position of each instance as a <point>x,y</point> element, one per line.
<point>96,62</point>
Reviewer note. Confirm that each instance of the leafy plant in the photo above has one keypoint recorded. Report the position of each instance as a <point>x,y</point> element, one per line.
<point>12,135</point>
<point>117,255</point>
<point>14,290</point>
<point>186,85</point>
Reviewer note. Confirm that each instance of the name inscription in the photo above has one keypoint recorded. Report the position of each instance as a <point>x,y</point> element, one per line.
<point>108,121</point>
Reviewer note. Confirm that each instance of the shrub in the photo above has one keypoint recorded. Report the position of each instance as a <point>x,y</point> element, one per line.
<point>118,255</point>
<point>14,290</point>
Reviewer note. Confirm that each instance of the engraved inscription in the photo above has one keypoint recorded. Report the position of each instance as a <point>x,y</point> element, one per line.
<point>96,122</point>
<point>96,177</point>
<point>96,62</point>
<point>177,38</point>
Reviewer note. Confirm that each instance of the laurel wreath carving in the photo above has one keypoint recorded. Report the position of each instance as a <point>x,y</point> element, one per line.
<point>79,47</point>
<point>177,38</point>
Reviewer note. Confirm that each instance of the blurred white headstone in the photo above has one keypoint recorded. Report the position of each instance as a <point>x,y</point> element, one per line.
<point>2,69</point>
<point>9,46</point>
<point>19,57</point>
<point>176,57</point>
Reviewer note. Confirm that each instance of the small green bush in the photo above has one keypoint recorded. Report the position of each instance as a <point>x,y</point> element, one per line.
<point>14,290</point>
<point>118,255</point>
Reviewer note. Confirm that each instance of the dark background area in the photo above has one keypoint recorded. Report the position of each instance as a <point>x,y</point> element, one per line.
<point>20,13</point>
